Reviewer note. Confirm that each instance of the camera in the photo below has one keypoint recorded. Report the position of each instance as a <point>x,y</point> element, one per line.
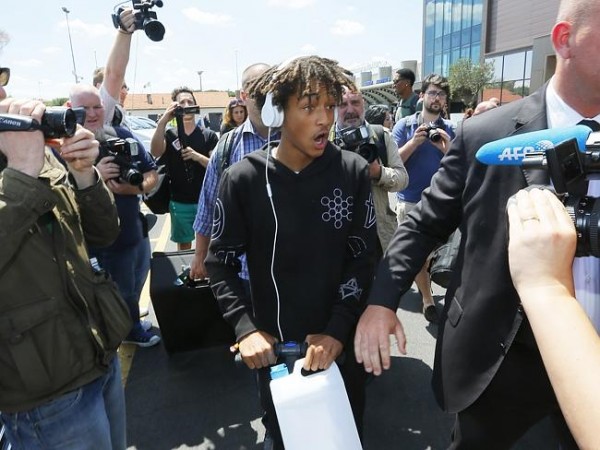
<point>567,166</point>
<point>181,111</point>
<point>357,139</point>
<point>144,18</point>
<point>125,153</point>
<point>433,132</point>
<point>57,122</point>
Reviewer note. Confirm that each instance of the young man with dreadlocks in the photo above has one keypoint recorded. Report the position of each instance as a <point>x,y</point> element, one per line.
<point>302,211</point>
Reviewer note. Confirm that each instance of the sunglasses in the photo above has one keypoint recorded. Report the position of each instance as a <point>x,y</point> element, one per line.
<point>4,76</point>
<point>236,102</point>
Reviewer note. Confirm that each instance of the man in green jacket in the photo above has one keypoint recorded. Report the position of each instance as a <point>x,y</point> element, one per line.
<point>60,321</point>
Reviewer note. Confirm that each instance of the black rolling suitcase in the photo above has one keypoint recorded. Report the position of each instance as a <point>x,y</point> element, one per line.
<point>188,316</point>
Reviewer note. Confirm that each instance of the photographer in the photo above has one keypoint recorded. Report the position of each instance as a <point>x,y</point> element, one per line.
<point>185,151</point>
<point>386,170</point>
<point>49,210</point>
<point>128,258</point>
<point>541,248</point>
<point>423,139</point>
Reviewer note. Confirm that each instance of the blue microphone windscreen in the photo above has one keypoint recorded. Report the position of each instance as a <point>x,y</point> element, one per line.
<point>510,151</point>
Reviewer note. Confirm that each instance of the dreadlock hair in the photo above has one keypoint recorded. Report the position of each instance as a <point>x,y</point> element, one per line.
<point>301,77</point>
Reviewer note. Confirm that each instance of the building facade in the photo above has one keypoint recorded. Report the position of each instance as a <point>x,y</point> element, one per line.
<point>512,34</point>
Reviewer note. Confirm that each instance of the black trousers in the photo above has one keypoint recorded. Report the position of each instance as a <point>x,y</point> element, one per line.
<point>519,396</point>
<point>354,377</point>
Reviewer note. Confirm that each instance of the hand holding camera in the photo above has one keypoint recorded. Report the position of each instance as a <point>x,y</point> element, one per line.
<point>24,151</point>
<point>434,133</point>
<point>80,152</point>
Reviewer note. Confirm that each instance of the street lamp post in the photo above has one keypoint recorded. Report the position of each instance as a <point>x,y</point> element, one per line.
<point>66,11</point>
<point>200,72</point>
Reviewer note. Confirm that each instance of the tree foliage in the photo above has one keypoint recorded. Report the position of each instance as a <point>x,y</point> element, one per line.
<point>57,101</point>
<point>467,79</point>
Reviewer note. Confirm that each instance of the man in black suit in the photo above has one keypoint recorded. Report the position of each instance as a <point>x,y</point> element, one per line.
<point>488,368</point>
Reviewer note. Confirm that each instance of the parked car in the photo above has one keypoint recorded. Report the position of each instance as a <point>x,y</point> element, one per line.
<point>142,128</point>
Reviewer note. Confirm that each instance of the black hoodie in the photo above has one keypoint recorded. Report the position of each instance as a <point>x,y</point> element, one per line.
<point>324,253</point>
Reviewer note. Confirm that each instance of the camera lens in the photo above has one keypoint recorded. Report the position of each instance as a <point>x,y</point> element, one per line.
<point>132,176</point>
<point>59,122</point>
<point>154,29</point>
<point>434,135</point>
<point>585,214</point>
<point>368,151</point>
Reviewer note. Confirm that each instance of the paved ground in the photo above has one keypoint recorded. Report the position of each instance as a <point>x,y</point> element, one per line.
<point>203,400</point>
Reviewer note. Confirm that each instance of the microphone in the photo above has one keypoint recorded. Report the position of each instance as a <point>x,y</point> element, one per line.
<point>511,151</point>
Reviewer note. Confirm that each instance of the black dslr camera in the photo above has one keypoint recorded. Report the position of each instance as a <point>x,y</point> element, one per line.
<point>357,139</point>
<point>433,132</point>
<point>144,18</point>
<point>181,111</point>
<point>57,122</point>
<point>125,153</point>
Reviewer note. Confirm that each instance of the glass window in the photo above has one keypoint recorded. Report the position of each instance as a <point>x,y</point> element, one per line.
<point>514,66</point>
<point>455,56</point>
<point>497,61</point>
<point>428,46</point>
<point>492,90</point>
<point>528,60</point>
<point>437,64</point>
<point>511,91</point>
<point>430,15</point>
<point>476,53</point>
<point>446,42</point>
<point>428,65</point>
<point>447,16</point>
<point>465,51</point>
<point>455,39</point>
<point>445,64</point>
<point>439,19</point>
<point>466,36</point>
<point>477,12</point>
<point>456,15</point>
<point>437,46</point>
<point>466,14</point>
<point>476,33</point>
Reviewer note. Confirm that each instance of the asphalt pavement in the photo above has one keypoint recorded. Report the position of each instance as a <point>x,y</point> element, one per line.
<point>204,400</point>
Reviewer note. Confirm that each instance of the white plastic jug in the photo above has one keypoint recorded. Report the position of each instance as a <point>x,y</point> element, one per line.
<point>314,411</point>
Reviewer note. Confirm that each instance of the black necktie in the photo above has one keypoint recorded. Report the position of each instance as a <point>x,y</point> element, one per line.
<point>592,124</point>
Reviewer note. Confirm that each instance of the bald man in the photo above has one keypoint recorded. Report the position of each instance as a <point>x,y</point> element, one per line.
<point>488,368</point>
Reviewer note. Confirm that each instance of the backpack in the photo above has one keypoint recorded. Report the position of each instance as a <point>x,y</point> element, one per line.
<point>222,153</point>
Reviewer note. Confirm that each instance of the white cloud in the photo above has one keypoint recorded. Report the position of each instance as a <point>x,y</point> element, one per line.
<point>51,50</point>
<point>88,30</point>
<point>347,28</point>
<point>292,4</point>
<point>308,49</point>
<point>152,50</point>
<point>28,63</point>
<point>207,18</point>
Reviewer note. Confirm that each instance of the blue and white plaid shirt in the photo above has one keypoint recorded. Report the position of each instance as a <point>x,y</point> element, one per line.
<point>245,140</point>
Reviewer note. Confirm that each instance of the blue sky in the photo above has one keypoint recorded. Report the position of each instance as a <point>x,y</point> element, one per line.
<point>212,36</point>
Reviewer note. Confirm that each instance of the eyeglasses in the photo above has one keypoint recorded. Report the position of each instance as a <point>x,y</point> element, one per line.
<point>434,94</point>
<point>4,76</point>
